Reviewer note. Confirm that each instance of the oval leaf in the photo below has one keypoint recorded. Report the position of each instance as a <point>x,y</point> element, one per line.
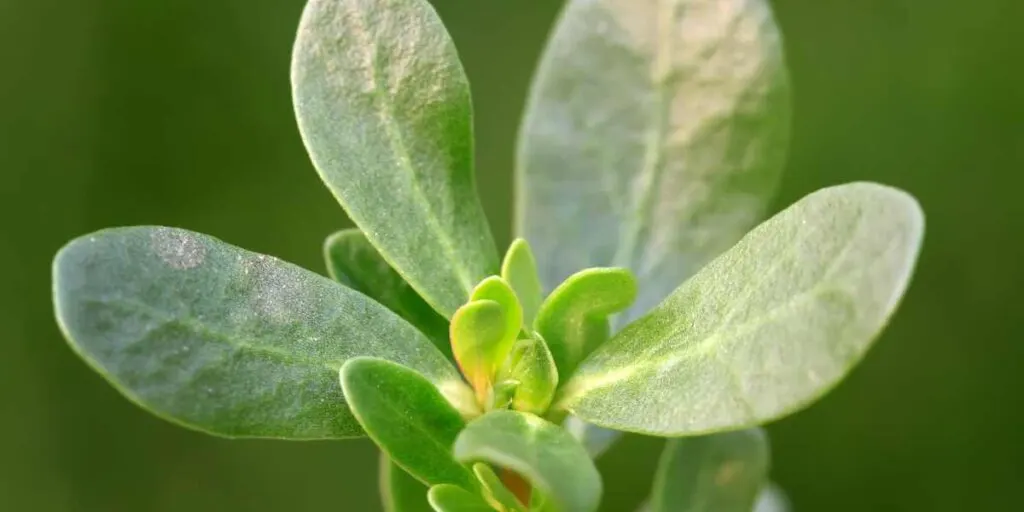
<point>765,329</point>
<point>574,319</point>
<point>383,106</point>
<point>224,340</point>
<point>519,270</point>
<point>496,289</point>
<point>399,491</point>
<point>451,498</point>
<point>353,261</point>
<point>477,330</point>
<point>660,126</point>
<point>722,472</point>
<point>547,456</point>
<point>532,366</point>
<point>407,417</point>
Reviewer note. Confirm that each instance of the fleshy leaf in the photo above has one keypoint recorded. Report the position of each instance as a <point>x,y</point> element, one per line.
<point>660,126</point>
<point>574,319</point>
<point>399,491</point>
<point>224,340</point>
<point>766,328</point>
<point>495,492</point>
<point>451,498</point>
<point>496,289</point>
<point>721,472</point>
<point>477,331</point>
<point>502,393</point>
<point>353,261</point>
<point>519,270</point>
<point>547,456</point>
<point>383,107</point>
<point>532,366</point>
<point>407,417</point>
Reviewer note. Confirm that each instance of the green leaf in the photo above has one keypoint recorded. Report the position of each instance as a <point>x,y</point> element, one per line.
<point>399,491</point>
<point>772,499</point>
<point>496,289</point>
<point>352,260</point>
<point>495,491</point>
<point>722,472</point>
<point>477,331</point>
<point>383,107</point>
<point>654,136</point>
<point>547,456</point>
<point>519,269</point>
<point>765,329</point>
<point>574,319</point>
<point>407,417</point>
<point>223,340</point>
<point>451,498</point>
<point>595,439</point>
<point>532,366</point>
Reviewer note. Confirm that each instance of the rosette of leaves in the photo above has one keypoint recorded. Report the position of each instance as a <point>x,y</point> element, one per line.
<point>643,293</point>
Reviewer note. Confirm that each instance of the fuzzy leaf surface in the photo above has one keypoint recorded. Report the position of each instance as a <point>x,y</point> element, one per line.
<point>766,328</point>
<point>223,340</point>
<point>383,107</point>
<point>654,135</point>
<point>519,270</point>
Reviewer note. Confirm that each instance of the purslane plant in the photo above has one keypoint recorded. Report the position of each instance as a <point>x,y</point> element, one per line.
<point>636,297</point>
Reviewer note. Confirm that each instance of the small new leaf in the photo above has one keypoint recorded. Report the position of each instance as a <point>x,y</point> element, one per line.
<point>573,320</point>
<point>451,498</point>
<point>532,366</point>
<point>722,472</point>
<point>478,329</point>
<point>407,417</point>
<point>766,328</point>
<point>543,453</point>
<point>519,270</point>
<point>496,289</point>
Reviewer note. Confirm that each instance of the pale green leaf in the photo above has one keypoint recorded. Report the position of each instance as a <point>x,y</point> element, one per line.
<point>543,453</point>
<point>383,107</point>
<point>765,329</point>
<point>653,138</point>
<point>224,340</point>
<point>497,289</point>
<point>352,260</point>
<point>721,472</point>
<point>531,365</point>
<point>573,320</point>
<point>408,418</point>
<point>595,439</point>
<point>519,269</point>
<point>477,331</point>
<point>451,498</point>
<point>400,491</point>
<point>495,491</point>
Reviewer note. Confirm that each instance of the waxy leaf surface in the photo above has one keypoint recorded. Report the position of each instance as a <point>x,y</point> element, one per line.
<point>353,261</point>
<point>452,498</point>
<point>221,339</point>
<point>477,331</point>
<point>543,453</point>
<point>383,106</point>
<point>531,364</point>
<point>766,328</point>
<point>519,270</point>
<point>722,472</point>
<point>653,138</point>
<point>400,491</point>
<point>407,417</point>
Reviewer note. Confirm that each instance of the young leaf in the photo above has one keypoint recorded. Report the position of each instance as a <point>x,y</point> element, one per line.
<point>495,491</point>
<point>519,270</point>
<point>766,328</point>
<point>532,366</point>
<point>399,491</point>
<point>722,472</point>
<point>384,110</point>
<point>574,319</point>
<point>407,417</point>
<point>352,260</point>
<point>224,340</point>
<point>547,456</point>
<point>477,331</point>
<point>660,126</point>
<point>502,393</point>
<point>451,498</point>
<point>496,289</point>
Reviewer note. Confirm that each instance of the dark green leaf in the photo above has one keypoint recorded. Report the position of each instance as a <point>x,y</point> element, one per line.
<point>399,491</point>
<point>574,319</point>
<point>519,270</point>
<point>495,491</point>
<point>766,328</point>
<point>407,417</point>
<point>384,109</point>
<point>722,472</point>
<point>352,260</point>
<point>653,139</point>
<point>547,456</point>
<point>223,340</point>
<point>451,498</point>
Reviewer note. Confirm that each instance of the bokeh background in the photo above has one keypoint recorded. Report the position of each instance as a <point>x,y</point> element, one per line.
<point>177,112</point>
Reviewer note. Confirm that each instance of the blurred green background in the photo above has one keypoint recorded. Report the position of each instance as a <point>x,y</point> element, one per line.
<point>178,112</point>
